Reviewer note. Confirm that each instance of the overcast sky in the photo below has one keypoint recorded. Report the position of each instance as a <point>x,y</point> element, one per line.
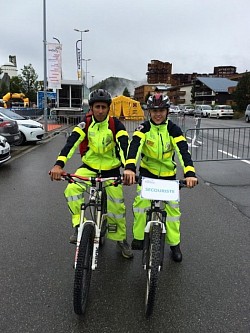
<point>124,36</point>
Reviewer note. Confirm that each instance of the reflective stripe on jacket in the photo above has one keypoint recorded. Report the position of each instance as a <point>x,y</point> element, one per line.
<point>157,145</point>
<point>103,152</point>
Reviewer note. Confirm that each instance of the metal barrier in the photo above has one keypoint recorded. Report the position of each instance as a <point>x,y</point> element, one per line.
<point>219,144</point>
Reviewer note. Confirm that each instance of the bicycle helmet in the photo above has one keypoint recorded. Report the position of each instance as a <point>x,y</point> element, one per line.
<point>158,101</point>
<point>100,95</point>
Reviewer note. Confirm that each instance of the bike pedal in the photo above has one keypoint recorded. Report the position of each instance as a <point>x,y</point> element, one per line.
<point>112,228</point>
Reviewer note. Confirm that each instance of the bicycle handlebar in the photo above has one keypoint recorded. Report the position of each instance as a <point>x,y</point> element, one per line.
<point>70,178</point>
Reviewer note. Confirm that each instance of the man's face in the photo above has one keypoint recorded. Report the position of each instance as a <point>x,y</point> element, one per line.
<point>100,110</point>
<point>158,115</point>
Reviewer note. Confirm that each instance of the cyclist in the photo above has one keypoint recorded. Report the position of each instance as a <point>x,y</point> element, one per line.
<point>105,156</point>
<point>157,140</point>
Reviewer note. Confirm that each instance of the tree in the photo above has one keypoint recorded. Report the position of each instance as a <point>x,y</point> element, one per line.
<point>16,84</point>
<point>126,92</point>
<point>242,92</point>
<point>30,84</point>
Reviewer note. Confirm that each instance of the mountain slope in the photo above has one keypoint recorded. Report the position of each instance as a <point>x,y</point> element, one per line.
<point>116,85</point>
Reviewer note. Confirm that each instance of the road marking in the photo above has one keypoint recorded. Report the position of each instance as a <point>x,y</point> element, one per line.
<point>234,156</point>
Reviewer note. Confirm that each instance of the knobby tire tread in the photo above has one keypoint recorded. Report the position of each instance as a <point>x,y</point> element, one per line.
<point>152,276</point>
<point>83,269</point>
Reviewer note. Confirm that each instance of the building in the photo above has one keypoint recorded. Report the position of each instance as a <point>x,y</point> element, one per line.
<point>142,93</point>
<point>224,71</point>
<point>70,94</point>
<point>10,67</point>
<point>181,94</point>
<point>159,72</point>
<point>213,90</point>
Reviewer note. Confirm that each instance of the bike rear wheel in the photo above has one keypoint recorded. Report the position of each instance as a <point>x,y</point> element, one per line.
<point>152,264</point>
<point>83,269</point>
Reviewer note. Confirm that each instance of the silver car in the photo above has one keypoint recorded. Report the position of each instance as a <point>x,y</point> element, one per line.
<point>247,114</point>
<point>202,110</point>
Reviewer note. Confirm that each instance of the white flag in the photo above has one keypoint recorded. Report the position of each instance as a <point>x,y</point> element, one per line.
<point>54,65</point>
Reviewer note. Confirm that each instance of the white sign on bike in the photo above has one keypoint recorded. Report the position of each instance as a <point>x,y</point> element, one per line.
<point>159,189</point>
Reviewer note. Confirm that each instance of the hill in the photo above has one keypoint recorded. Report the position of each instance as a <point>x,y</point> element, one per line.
<point>116,85</point>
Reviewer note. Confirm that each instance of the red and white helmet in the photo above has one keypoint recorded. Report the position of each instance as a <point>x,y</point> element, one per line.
<point>158,101</point>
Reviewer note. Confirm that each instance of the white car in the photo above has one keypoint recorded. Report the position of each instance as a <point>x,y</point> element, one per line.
<point>4,150</point>
<point>174,109</point>
<point>30,130</point>
<point>221,111</point>
<point>202,110</point>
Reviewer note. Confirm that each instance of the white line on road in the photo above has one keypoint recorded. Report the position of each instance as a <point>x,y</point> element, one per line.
<point>234,156</point>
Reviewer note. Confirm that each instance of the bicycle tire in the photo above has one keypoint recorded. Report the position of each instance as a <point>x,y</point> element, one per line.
<point>104,222</point>
<point>152,262</point>
<point>83,269</point>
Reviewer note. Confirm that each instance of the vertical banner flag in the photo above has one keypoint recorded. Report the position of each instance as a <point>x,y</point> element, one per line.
<point>54,65</point>
<point>78,61</point>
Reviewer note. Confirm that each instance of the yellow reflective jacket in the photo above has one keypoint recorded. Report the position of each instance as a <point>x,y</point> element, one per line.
<point>157,145</point>
<point>103,153</point>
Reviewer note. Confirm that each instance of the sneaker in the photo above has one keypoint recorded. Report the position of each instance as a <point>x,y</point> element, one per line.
<point>125,249</point>
<point>73,238</point>
<point>176,253</point>
<point>137,244</point>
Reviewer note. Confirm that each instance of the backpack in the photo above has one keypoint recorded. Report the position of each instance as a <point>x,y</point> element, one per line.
<point>83,147</point>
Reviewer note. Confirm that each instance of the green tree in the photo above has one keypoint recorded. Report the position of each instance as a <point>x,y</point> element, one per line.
<point>193,93</point>
<point>30,84</point>
<point>126,92</point>
<point>16,84</point>
<point>242,93</point>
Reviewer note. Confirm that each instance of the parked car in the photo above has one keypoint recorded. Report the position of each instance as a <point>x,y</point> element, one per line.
<point>9,129</point>
<point>174,109</point>
<point>247,114</point>
<point>221,111</point>
<point>30,130</point>
<point>202,110</point>
<point>4,150</point>
<point>187,109</point>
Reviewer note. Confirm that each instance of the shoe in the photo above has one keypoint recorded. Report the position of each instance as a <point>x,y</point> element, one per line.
<point>73,238</point>
<point>137,244</point>
<point>125,249</point>
<point>176,253</point>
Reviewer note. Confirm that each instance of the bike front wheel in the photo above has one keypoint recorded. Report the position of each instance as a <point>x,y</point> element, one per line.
<point>83,269</point>
<point>104,221</point>
<point>152,267</point>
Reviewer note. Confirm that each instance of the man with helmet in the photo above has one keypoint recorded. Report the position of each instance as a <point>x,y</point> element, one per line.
<point>157,140</point>
<point>105,155</point>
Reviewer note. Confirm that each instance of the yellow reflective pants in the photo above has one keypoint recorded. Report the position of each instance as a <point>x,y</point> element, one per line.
<point>140,206</point>
<point>74,195</point>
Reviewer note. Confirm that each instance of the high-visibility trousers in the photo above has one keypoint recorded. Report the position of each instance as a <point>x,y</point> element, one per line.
<point>74,195</point>
<point>140,206</point>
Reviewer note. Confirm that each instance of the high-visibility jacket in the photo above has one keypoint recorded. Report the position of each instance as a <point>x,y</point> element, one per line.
<point>104,153</point>
<point>157,145</point>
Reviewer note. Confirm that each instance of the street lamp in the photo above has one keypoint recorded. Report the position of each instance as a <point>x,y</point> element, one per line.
<point>92,80</point>
<point>57,40</point>
<point>81,32</point>
<point>86,73</point>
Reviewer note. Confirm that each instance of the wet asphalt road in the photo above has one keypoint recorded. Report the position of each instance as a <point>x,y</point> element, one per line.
<point>207,292</point>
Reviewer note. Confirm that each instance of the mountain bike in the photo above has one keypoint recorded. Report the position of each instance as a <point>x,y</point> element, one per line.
<point>158,192</point>
<point>91,233</point>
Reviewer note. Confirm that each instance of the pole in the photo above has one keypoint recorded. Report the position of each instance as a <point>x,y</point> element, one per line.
<point>82,83</point>
<point>86,73</point>
<point>45,69</point>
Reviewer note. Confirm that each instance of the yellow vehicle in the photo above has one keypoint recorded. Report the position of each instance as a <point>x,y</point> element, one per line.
<point>15,100</point>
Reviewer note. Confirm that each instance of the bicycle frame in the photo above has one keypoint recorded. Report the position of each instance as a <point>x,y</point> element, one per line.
<point>94,204</point>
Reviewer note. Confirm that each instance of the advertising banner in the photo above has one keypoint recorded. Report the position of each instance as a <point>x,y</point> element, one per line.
<point>54,65</point>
